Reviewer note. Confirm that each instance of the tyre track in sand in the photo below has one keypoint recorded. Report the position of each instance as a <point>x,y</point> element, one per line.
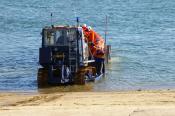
<point>35,100</point>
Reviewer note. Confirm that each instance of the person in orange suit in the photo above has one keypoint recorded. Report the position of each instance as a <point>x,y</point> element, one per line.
<point>96,45</point>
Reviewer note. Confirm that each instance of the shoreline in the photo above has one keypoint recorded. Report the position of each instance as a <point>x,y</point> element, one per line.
<point>125,103</point>
<point>83,89</point>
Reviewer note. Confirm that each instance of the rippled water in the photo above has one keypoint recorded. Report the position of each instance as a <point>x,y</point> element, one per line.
<point>141,32</point>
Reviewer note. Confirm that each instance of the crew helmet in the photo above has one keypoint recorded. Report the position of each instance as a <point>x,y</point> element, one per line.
<point>84,25</point>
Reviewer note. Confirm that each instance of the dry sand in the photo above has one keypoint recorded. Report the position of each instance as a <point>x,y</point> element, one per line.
<point>132,103</point>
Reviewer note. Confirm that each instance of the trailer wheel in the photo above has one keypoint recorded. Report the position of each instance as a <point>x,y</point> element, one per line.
<point>42,78</point>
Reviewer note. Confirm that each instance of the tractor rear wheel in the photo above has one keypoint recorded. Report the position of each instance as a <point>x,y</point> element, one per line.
<point>42,77</point>
<point>80,78</point>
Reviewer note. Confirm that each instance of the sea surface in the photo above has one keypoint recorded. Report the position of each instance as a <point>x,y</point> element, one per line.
<point>141,33</point>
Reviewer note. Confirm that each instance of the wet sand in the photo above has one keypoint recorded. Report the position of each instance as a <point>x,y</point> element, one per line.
<point>128,103</point>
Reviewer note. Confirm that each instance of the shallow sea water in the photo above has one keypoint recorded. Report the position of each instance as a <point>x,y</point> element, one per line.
<point>141,32</point>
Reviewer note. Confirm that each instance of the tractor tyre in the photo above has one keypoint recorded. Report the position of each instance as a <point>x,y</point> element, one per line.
<point>42,77</point>
<point>80,78</point>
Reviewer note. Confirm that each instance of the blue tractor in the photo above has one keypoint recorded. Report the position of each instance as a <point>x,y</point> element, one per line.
<point>64,57</point>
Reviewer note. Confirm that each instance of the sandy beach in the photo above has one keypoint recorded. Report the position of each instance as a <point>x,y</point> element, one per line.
<point>128,103</point>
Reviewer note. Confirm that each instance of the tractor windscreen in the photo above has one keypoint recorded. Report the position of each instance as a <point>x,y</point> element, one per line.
<point>59,37</point>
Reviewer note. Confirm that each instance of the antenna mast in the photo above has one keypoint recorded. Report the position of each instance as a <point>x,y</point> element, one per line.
<point>106,27</point>
<point>78,21</point>
<point>51,19</point>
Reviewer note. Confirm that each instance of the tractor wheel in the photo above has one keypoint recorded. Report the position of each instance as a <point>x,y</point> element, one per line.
<point>80,78</point>
<point>42,77</point>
